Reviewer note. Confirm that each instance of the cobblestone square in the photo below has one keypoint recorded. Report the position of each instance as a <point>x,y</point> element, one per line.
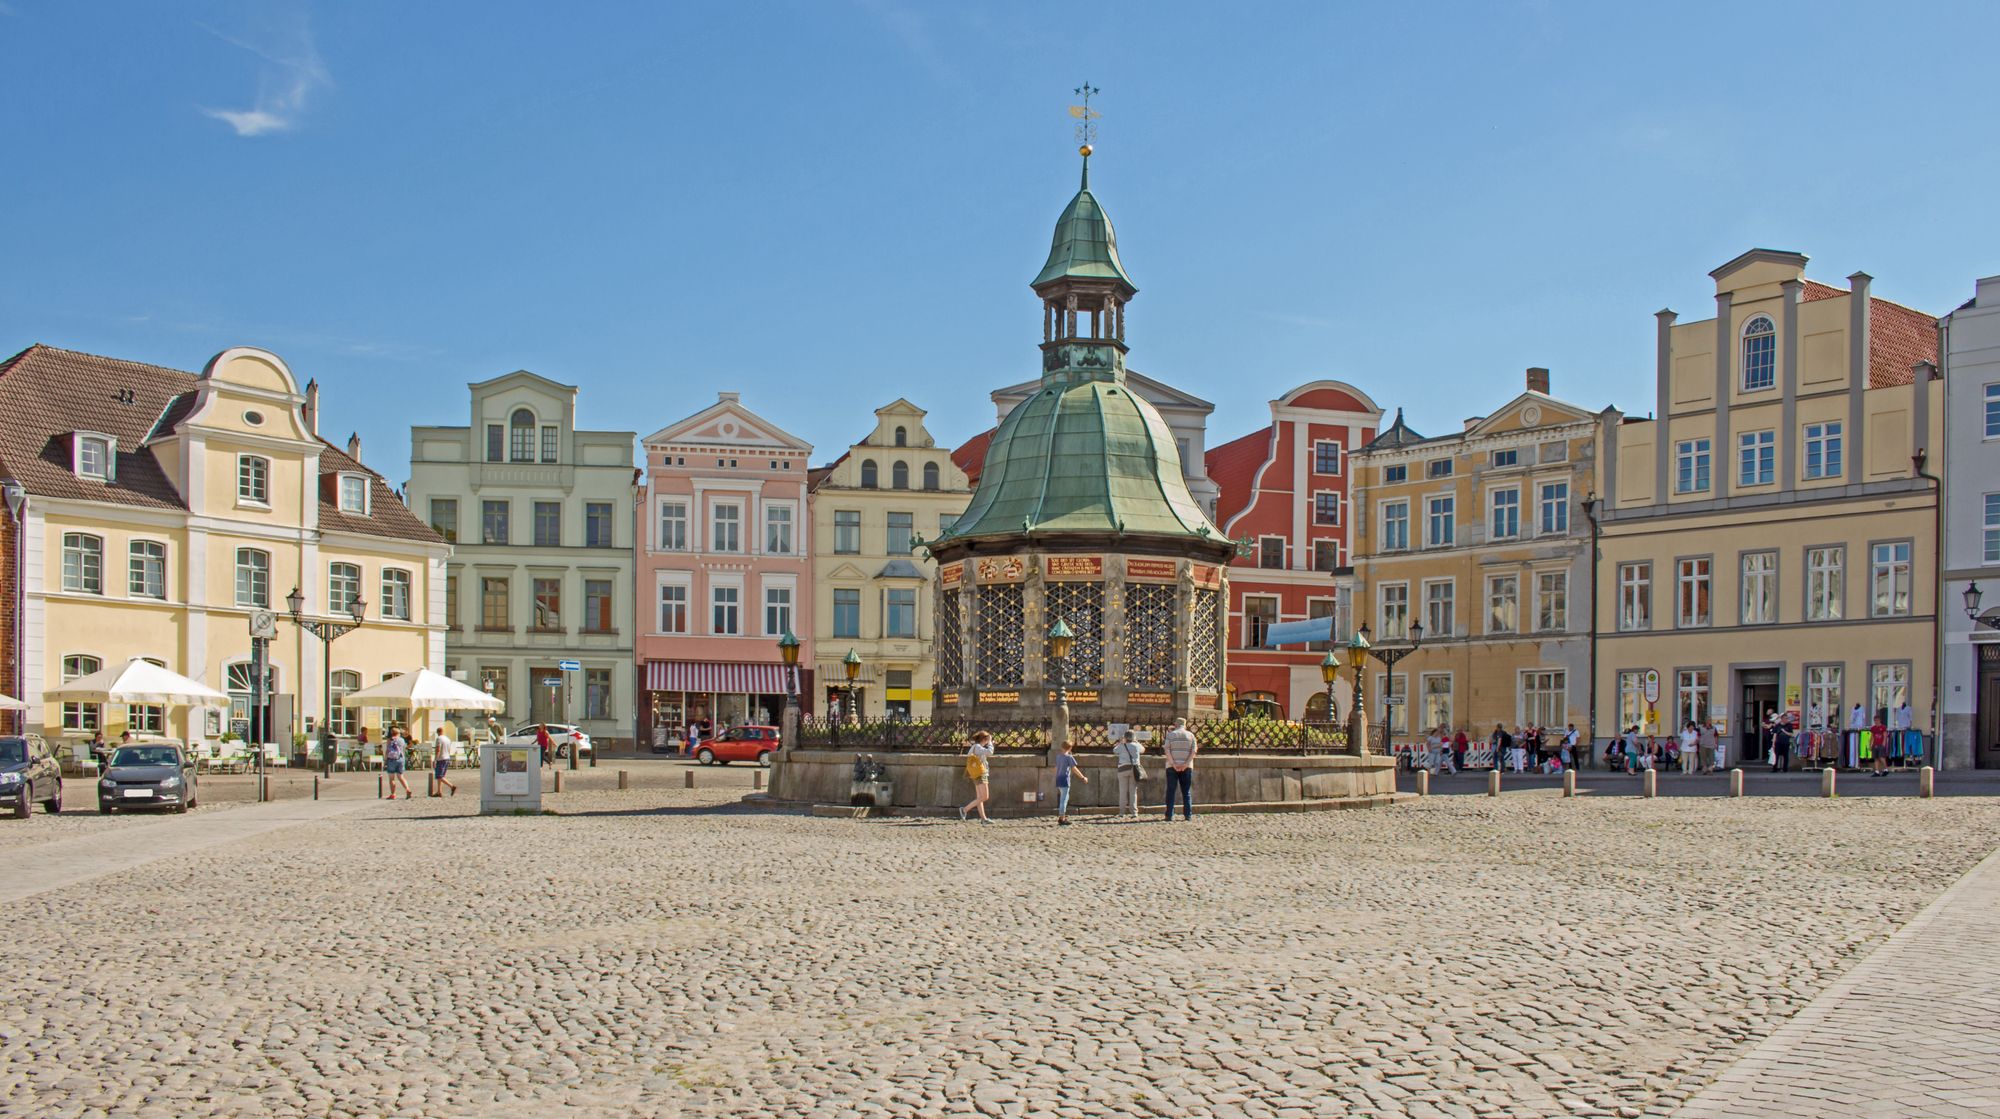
<point>671,952</point>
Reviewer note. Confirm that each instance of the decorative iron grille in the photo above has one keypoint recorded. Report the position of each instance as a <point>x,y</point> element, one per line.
<point>999,633</point>
<point>947,735</point>
<point>1149,628</point>
<point>1082,606</point>
<point>950,650</point>
<point>1205,641</point>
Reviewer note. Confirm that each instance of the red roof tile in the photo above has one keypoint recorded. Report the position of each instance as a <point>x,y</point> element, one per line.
<point>1232,466</point>
<point>971,455</point>
<point>1898,338</point>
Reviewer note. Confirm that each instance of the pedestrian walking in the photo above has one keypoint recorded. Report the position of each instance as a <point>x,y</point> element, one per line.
<point>1067,770</point>
<point>977,767</point>
<point>1878,744</point>
<point>1131,770</point>
<point>1180,748</point>
<point>396,752</point>
<point>1781,747</point>
<point>543,743</point>
<point>440,764</point>
<point>1458,746</point>
<point>1569,754</point>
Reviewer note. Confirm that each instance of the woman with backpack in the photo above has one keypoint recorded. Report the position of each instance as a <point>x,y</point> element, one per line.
<point>977,766</point>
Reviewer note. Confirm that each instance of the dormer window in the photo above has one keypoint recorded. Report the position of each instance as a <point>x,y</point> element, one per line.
<point>253,480</point>
<point>354,494</point>
<point>94,456</point>
<point>521,436</point>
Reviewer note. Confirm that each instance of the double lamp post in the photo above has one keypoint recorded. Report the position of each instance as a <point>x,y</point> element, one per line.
<point>326,631</point>
<point>1359,650</point>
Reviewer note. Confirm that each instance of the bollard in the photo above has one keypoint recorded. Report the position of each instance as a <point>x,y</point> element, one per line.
<point>378,786</point>
<point>690,778</point>
<point>756,778</point>
<point>1826,782</point>
<point>1649,785</point>
<point>315,786</point>
<point>558,774</point>
<point>1736,782</point>
<point>1493,782</point>
<point>263,788</point>
<point>1927,782</point>
<point>1569,782</point>
<point>624,780</point>
<point>1423,782</point>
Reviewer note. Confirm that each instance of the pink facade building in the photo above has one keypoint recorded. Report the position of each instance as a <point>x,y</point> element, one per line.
<point>724,571</point>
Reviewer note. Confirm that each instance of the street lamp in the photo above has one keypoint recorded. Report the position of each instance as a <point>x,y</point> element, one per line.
<point>788,650</point>
<point>1060,637</point>
<point>1972,597</point>
<point>1359,649</point>
<point>1329,671</point>
<point>327,631</point>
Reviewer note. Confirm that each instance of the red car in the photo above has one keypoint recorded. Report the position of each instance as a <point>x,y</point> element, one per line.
<point>740,744</point>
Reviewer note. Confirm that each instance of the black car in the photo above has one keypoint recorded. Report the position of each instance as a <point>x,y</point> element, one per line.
<point>147,775</point>
<point>28,773</point>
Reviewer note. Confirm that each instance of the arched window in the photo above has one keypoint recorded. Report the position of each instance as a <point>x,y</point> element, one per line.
<point>344,682</point>
<point>930,476</point>
<point>899,476</point>
<point>343,586</point>
<point>1760,354</point>
<point>521,436</point>
<point>902,437</point>
<point>869,479</point>
<point>237,679</point>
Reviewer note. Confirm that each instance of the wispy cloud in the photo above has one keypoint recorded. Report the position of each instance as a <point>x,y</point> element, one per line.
<point>291,72</point>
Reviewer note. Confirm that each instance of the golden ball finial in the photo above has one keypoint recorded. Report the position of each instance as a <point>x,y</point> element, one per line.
<point>1084,151</point>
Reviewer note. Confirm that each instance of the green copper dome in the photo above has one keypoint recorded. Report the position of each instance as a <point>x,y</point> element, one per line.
<point>1085,246</point>
<point>1085,457</point>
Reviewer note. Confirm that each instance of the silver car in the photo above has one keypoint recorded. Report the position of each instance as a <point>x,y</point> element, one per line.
<point>149,775</point>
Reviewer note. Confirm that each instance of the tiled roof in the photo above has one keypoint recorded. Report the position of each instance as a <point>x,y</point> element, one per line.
<point>46,393</point>
<point>1898,336</point>
<point>1232,466</point>
<point>971,455</point>
<point>1397,434</point>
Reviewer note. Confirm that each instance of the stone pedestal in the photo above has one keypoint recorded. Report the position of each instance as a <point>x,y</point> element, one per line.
<point>510,779</point>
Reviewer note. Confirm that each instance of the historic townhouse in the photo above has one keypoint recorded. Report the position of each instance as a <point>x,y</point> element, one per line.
<point>153,512</point>
<point>1284,494</point>
<point>1480,537</point>
<point>870,584</point>
<point>1971,683</point>
<point>540,517</point>
<point>724,570</point>
<point>1767,537</point>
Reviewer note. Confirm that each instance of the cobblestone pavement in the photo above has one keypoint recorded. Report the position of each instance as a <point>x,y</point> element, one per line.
<point>1922,1009</point>
<point>666,952</point>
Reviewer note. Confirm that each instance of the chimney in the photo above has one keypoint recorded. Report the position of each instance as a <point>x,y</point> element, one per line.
<point>1538,380</point>
<point>1472,422</point>
<point>354,446</point>
<point>728,397</point>
<point>311,408</point>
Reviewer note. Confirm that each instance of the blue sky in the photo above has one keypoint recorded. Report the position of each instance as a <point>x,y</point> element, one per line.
<point>825,206</point>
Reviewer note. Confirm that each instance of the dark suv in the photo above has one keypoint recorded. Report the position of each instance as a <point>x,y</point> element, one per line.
<point>28,773</point>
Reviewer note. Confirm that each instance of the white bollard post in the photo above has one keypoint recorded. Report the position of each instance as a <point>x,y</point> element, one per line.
<point>1927,782</point>
<point>1651,783</point>
<point>624,780</point>
<point>1493,782</point>
<point>1569,782</point>
<point>1826,788</point>
<point>1423,782</point>
<point>1736,782</point>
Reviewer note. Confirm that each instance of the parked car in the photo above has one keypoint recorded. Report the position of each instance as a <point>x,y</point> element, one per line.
<point>28,773</point>
<point>740,744</point>
<point>561,735</point>
<point>147,775</point>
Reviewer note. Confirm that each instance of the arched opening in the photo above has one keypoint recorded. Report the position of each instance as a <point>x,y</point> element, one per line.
<point>899,476</point>
<point>930,475</point>
<point>521,436</point>
<point>1760,354</point>
<point>869,478</point>
<point>902,437</point>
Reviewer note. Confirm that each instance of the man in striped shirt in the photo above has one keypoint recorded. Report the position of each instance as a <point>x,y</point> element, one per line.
<point>1180,747</point>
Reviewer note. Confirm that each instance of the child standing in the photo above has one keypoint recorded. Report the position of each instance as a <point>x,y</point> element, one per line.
<point>1067,767</point>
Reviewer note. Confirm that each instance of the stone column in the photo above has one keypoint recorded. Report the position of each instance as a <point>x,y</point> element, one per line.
<point>1183,649</point>
<point>1115,683</point>
<point>1788,429</point>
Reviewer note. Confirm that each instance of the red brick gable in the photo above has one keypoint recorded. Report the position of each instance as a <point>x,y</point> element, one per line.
<point>1233,468</point>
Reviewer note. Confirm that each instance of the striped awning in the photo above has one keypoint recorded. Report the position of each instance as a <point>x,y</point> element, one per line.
<point>715,676</point>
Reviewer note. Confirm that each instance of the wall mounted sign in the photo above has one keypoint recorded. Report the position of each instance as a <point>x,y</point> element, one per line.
<point>999,697</point>
<point>1150,699</point>
<point>1077,695</point>
<point>1152,570</point>
<point>949,699</point>
<point>951,575</point>
<point>1002,569</point>
<point>1074,567</point>
<point>1206,576</point>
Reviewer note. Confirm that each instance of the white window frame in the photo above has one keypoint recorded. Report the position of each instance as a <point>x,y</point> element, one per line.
<point>1757,593</point>
<point>1273,617</point>
<point>1544,694</point>
<point>1825,684</point>
<point>1494,507</point>
<point>1317,519</point>
<point>1897,572</point>
<point>1822,442</point>
<point>1635,596</point>
<point>1694,581</point>
<point>1553,510</point>
<point>889,631</point>
<point>398,582</point>
<point>348,478</point>
<point>1339,457</point>
<point>787,610</point>
<point>82,563</point>
<point>781,524</point>
<point>1631,698</point>
<point>716,523</point>
<point>253,481</point>
<point>138,583</point>
<point>1440,608</point>
<point>684,602</point>
<point>1393,690</point>
<point>1756,458</point>
<point>1694,695</point>
<point>1545,622</point>
<point>107,450</point>
<point>81,717</point>
<point>252,598</point>
<point>1826,583</point>
<point>833,603</point>
<point>1431,520</point>
<point>1511,599</point>
<point>735,604</point>
<point>673,514</point>
<point>1990,529</point>
<point>1513,458</point>
<point>1435,714</point>
<point>1993,410</point>
<point>336,576</point>
<point>1398,627</point>
<point>1403,522</point>
<point>1693,465</point>
<point>1766,361</point>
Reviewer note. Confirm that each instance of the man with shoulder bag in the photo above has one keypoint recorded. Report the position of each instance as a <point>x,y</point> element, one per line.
<point>1131,770</point>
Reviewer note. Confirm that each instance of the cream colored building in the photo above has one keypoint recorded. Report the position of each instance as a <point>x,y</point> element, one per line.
<point>1767,541</point>
<point>871,584</point>
<point>539,514</point>
<point>154,512</point>
<point>1480,536</point>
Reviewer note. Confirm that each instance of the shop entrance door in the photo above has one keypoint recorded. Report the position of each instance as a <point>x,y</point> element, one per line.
<point>1986,720</point>
<point>1757,699</point>
<point>545,696</point>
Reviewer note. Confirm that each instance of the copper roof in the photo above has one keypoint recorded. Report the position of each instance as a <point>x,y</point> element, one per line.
<point>47,393</point>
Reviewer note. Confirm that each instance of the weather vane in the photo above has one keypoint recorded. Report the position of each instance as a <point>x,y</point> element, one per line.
<point>1086,118</point>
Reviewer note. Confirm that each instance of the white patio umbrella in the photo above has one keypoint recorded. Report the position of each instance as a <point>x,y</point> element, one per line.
<point>137,681</point>
<point>9,703</point>
<point>423,690</point>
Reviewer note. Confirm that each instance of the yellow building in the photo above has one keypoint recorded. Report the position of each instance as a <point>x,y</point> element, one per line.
<point>872,587</point>
<point>153,513</point>
<point>1479,536</point>
<point>1767,539</point>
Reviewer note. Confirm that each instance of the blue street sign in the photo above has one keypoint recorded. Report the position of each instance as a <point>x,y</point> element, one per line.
<point>570,666</point>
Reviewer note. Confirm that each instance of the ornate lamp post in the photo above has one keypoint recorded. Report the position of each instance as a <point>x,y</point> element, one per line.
<point>1329,671</point>
<point>1360,648</point>
<point>1972,597</point>
<point>851,666</point>
<point>788,649</point>
<point>326,632</point>
<point>1060,637</point>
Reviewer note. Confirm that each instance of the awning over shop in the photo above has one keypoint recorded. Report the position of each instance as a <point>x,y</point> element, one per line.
<point>1298,633</point>
<point>715,676</point>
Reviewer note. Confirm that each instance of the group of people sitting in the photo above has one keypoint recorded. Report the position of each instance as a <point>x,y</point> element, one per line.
<point>1697,748</point>
<point>1544,749</point>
